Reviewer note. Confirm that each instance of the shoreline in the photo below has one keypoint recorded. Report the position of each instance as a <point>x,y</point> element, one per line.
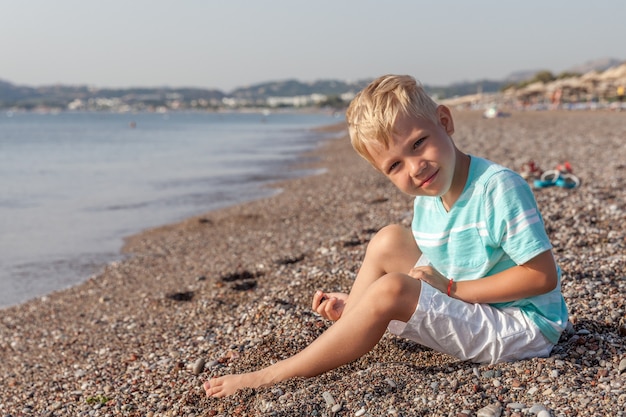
<point>97,230</point>
<point>231,288</point>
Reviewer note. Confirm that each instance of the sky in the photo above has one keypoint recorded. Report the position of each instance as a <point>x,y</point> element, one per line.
<point>225,44</point>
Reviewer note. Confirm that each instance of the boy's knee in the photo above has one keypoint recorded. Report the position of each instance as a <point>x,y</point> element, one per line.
<point>388,291</point>
<point>389,236</point>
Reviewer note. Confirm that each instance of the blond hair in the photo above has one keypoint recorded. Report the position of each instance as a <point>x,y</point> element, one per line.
<point>372,114</point>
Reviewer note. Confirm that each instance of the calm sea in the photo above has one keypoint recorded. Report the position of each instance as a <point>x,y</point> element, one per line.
<point>73,185</point>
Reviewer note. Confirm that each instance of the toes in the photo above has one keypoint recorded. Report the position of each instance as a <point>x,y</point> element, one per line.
<point>207,388</point>
<point>215,390</point>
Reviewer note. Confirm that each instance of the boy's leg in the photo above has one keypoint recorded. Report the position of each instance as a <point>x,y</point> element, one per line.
<point>392,249</point>
<point>391,297</point>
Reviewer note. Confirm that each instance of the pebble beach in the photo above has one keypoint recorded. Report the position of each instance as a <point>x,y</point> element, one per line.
<point>230,291</point>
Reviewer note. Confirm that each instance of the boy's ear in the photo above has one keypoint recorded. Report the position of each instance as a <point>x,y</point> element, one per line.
<point>445,119</point>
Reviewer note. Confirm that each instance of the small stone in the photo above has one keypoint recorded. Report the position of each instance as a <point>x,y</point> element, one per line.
<point>391,383</point>
<point>622,365</point>
<point>198,366</point>
<point>212,364</point>
<point>536,408</point>
<point>55,406</point>
<point>336,408</point>
<point>330,401</point>
<point>360,412</point>
<point>516,406</point>
<point>492,410</point>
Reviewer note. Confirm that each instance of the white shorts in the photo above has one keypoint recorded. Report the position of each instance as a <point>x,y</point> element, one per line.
<point>474,332</point>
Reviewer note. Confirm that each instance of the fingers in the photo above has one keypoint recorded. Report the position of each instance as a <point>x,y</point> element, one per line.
<point>417,272</point>
<point>318,298</point>
<point>330,309</point>
<point>325,305</point>
<point>321,301</point>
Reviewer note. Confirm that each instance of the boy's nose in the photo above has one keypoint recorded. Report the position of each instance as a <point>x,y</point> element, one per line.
<point>416,167</point>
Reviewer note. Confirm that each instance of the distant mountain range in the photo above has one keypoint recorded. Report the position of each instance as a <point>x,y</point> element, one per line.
<point>600,65</point>
<point>60,96</point>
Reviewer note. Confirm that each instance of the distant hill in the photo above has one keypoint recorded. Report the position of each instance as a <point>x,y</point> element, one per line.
<point>522,75</point>
<point>599,65</point>
<point>10,92</point>
<point>59,95</point>
<point>291,88</point>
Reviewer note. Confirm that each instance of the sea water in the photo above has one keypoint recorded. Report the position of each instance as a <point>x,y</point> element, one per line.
<point>73,185</point>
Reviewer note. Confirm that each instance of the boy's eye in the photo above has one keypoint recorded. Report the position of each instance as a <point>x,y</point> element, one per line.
<point>418,142</point>
<point>393,166</point>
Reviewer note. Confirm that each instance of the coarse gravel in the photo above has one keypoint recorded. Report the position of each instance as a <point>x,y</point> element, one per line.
<point>230,291</point>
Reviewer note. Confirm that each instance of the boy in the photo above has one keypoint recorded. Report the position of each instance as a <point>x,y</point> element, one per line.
<point>475,278</point>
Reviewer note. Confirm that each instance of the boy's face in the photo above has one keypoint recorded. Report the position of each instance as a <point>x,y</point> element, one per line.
<point>422,158</point>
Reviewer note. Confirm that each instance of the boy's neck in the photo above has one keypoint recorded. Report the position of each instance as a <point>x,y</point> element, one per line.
<point>461,172</point>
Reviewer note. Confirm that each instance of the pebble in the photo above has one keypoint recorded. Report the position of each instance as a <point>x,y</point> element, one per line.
<point>492,410</point>
<point>360,412</point>
<point>55,406</point>
<point>536,408</point>
<point>212,364</point>
<point>336,408</point>
<point>330,401</point>
<point>198,366</point>
<point>516,406</point>
<point>391,383</point>
<point>622,365</point>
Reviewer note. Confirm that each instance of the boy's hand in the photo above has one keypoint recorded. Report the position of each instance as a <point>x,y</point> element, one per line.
<point>431,276</point>
<point>329,305</point>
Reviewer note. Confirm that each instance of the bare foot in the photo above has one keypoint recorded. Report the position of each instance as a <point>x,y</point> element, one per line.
<point>227,385</point>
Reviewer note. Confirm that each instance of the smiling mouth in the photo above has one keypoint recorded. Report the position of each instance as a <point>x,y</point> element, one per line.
<point>430,179</point>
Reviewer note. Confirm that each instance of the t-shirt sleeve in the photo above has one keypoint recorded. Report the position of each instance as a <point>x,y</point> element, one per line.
<point>515,222</point>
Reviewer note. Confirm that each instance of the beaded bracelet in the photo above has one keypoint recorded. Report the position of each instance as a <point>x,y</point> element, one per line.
<point>450,286</point>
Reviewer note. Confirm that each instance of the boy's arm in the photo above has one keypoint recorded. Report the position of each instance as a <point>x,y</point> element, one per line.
<point>535,277</point>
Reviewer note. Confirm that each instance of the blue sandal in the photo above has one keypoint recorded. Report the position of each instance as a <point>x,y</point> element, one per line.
<point>568,181</point>
<point>555,177</point>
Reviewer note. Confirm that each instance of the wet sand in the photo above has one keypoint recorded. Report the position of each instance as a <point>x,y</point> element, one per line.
<point>230,291</point>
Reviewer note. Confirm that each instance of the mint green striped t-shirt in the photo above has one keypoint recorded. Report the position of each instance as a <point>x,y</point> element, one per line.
<point>493,226</point>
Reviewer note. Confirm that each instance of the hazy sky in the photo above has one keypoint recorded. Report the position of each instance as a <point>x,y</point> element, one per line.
<point>225,44</point>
